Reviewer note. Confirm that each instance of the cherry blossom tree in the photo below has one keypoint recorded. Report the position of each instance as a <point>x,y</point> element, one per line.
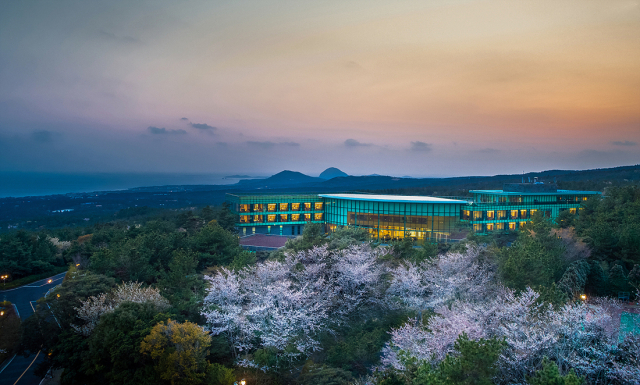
<point>577,336</point>
<point>454,275</point>
<point>283,305</point>
<point>95,306</point>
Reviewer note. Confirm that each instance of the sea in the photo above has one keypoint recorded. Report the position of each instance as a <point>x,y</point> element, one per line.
<point>15,184</point>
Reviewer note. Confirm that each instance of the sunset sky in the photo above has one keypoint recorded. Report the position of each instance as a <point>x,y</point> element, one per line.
<point>423,88</point>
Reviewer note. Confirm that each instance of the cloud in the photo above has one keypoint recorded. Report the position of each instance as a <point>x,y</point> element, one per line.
<point>42,136</point>
<point>489,150</point>
<point>624,143</point>
<point>202,126</point>
<point>268,144</point>
<point>164,131</point>
<point>184,119</point>
<point>120,39</point>
<point>355,143</point>
<point>419,146</point>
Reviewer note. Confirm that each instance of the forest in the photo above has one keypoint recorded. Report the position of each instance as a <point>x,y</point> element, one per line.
<point>169,297</point>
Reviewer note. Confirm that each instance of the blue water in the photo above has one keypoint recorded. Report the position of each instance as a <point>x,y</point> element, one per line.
<point>13,184</point>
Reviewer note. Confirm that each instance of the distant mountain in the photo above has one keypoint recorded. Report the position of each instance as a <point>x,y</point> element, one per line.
<point>331,173</point>
<point>281,179</point>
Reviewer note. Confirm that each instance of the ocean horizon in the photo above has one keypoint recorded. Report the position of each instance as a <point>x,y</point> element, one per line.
<point>16,184</point>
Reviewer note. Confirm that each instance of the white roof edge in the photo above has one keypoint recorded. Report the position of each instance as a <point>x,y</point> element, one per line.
<point>393,198</point>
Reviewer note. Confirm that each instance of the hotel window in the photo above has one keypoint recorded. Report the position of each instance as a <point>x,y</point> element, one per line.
<point>257,219</point>
<point>295,217</point>
<point>490,214</point>
<point>477,227</point>
<point>466,214</point>
<point>307,217</point>
<point>502,199</point>
<point>512,225</point>
<point>502,214</point>
<point>244,208</point>
<point>489,226</point>
<point>523,214</point>
<point>295,206</point>
<point>514,214</point>
<point>572,210</point>
<point>318,205</point>
<point>584,198</point>
<point>271,218</point>
<point>499,226</point>
<point>307,207</point>
<point>477,215</point>
<point>283,217</point>
<point>244,219</point>
<point>532,212</point>
<point>271,207</point>
<point>257,207</point>
<point>515,199</point>
<point>284,206</point>
<point>317,217</point>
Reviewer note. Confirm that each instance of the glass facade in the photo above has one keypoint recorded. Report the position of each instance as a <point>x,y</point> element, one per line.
<point>498,210</point>
<point>388,220</point>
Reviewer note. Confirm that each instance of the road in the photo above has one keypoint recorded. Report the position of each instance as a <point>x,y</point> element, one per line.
<point>20,370</point>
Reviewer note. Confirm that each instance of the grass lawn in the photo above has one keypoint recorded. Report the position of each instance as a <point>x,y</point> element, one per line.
<point>9,330</point>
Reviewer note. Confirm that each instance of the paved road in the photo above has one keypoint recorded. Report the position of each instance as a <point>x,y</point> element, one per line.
<point>20,370</point>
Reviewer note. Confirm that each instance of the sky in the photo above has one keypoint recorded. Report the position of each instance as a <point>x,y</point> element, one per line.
<point>421,88</point>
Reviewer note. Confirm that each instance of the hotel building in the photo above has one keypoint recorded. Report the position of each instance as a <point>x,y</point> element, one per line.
<point>394,217</point>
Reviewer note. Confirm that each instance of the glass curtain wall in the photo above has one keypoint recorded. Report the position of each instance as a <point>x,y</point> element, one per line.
<point>389,221</point>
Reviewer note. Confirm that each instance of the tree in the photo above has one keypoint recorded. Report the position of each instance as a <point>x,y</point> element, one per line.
<point>550,375</point>
<point>441,280</point>
<point>95,306</point>
<point>179,351</point>
<point>114,353</point>
<point>273,312</point>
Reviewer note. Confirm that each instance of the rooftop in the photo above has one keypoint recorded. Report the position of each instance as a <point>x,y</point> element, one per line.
<point>559,192</point>
<point>392,198</point>
<point>264,241</point>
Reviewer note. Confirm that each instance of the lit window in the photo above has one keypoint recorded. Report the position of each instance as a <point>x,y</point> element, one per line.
<point>307,207</point>
<point>499,226</point>
<point>307,217</point>
<point>584,198</point>
<point>244,219</point>
<point>318,205</point>
<point>523,213</point>
<point>257,207</point>
<point>271,218</point>
<point>533,211</point>
<point>489,226</point>
<point>283,217</point>
<point>512,225</point>
<point>477,215</point>
<point>477,227</point>
<point>490,214</point>
<point>284,206</point>
<point>514,214</point>
<point>572,211</point>
<point>295,206</point>
<point>271,207</point>
<point>502,214</point>
<point>317,217</point>
<point>295,217</point>
<point>257,219</point>
<point>244,208</point>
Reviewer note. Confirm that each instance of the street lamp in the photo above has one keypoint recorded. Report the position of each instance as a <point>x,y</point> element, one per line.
<point>583,297</point>
<point>4,281</point>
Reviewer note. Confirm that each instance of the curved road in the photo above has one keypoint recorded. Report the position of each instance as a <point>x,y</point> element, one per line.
<point>19,371</point>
